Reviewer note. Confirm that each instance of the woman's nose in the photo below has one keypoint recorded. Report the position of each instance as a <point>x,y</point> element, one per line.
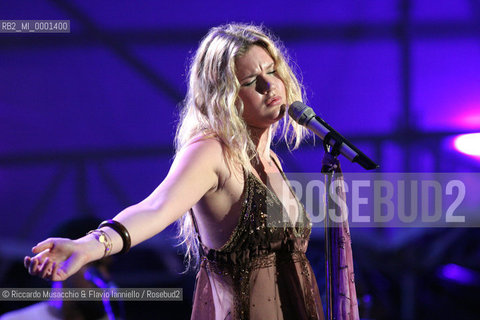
<point>263,85</point>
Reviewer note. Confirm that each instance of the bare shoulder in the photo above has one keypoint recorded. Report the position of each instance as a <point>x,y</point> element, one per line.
<point>207,154</point>
<point>202,148</point>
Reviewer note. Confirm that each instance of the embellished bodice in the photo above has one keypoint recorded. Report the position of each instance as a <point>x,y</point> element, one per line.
<point>261,264</point>
<point>263,227</point>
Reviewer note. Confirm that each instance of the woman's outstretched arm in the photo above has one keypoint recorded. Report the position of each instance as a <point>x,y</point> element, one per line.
<point>194,172</point>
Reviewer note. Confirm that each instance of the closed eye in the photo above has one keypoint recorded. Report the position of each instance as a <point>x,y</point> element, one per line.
<point>248,84</point>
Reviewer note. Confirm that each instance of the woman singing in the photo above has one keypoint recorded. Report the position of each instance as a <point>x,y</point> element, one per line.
<point>247,245</point>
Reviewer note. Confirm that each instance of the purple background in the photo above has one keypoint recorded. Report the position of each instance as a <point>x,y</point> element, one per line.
<point>87,121</point>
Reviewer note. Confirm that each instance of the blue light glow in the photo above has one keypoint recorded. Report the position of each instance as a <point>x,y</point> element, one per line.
<point>459,274</point>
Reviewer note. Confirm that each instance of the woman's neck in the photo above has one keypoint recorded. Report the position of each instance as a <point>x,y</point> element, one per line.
<point>262,138</point>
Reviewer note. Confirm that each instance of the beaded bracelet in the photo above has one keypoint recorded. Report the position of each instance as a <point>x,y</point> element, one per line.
<point>103,238</point>
<point>121,230</point>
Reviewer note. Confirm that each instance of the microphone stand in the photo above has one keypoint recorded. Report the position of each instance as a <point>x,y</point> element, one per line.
<point>340,287</point>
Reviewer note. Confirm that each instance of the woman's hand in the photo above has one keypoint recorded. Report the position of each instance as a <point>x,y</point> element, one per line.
<point>57,259</point>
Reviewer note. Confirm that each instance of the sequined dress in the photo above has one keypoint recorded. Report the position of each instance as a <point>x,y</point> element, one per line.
<point>261,272</point>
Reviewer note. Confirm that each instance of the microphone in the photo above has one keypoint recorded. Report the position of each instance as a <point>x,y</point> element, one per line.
<point>305,116</point>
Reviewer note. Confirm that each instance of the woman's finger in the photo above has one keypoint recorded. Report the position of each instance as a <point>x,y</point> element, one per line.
<point>44,245</point>
<point>55,267</point>
<point>26,261</point>
<point>46,268</point>
<point>32,266</point>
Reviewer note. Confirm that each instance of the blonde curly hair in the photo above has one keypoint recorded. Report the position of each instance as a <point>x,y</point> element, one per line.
<point>212,105</point>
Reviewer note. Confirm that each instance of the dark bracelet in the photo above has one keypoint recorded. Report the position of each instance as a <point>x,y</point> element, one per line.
<point>121,230</point>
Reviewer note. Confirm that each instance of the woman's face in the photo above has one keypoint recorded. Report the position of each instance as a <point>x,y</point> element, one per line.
<point>262,92</point>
